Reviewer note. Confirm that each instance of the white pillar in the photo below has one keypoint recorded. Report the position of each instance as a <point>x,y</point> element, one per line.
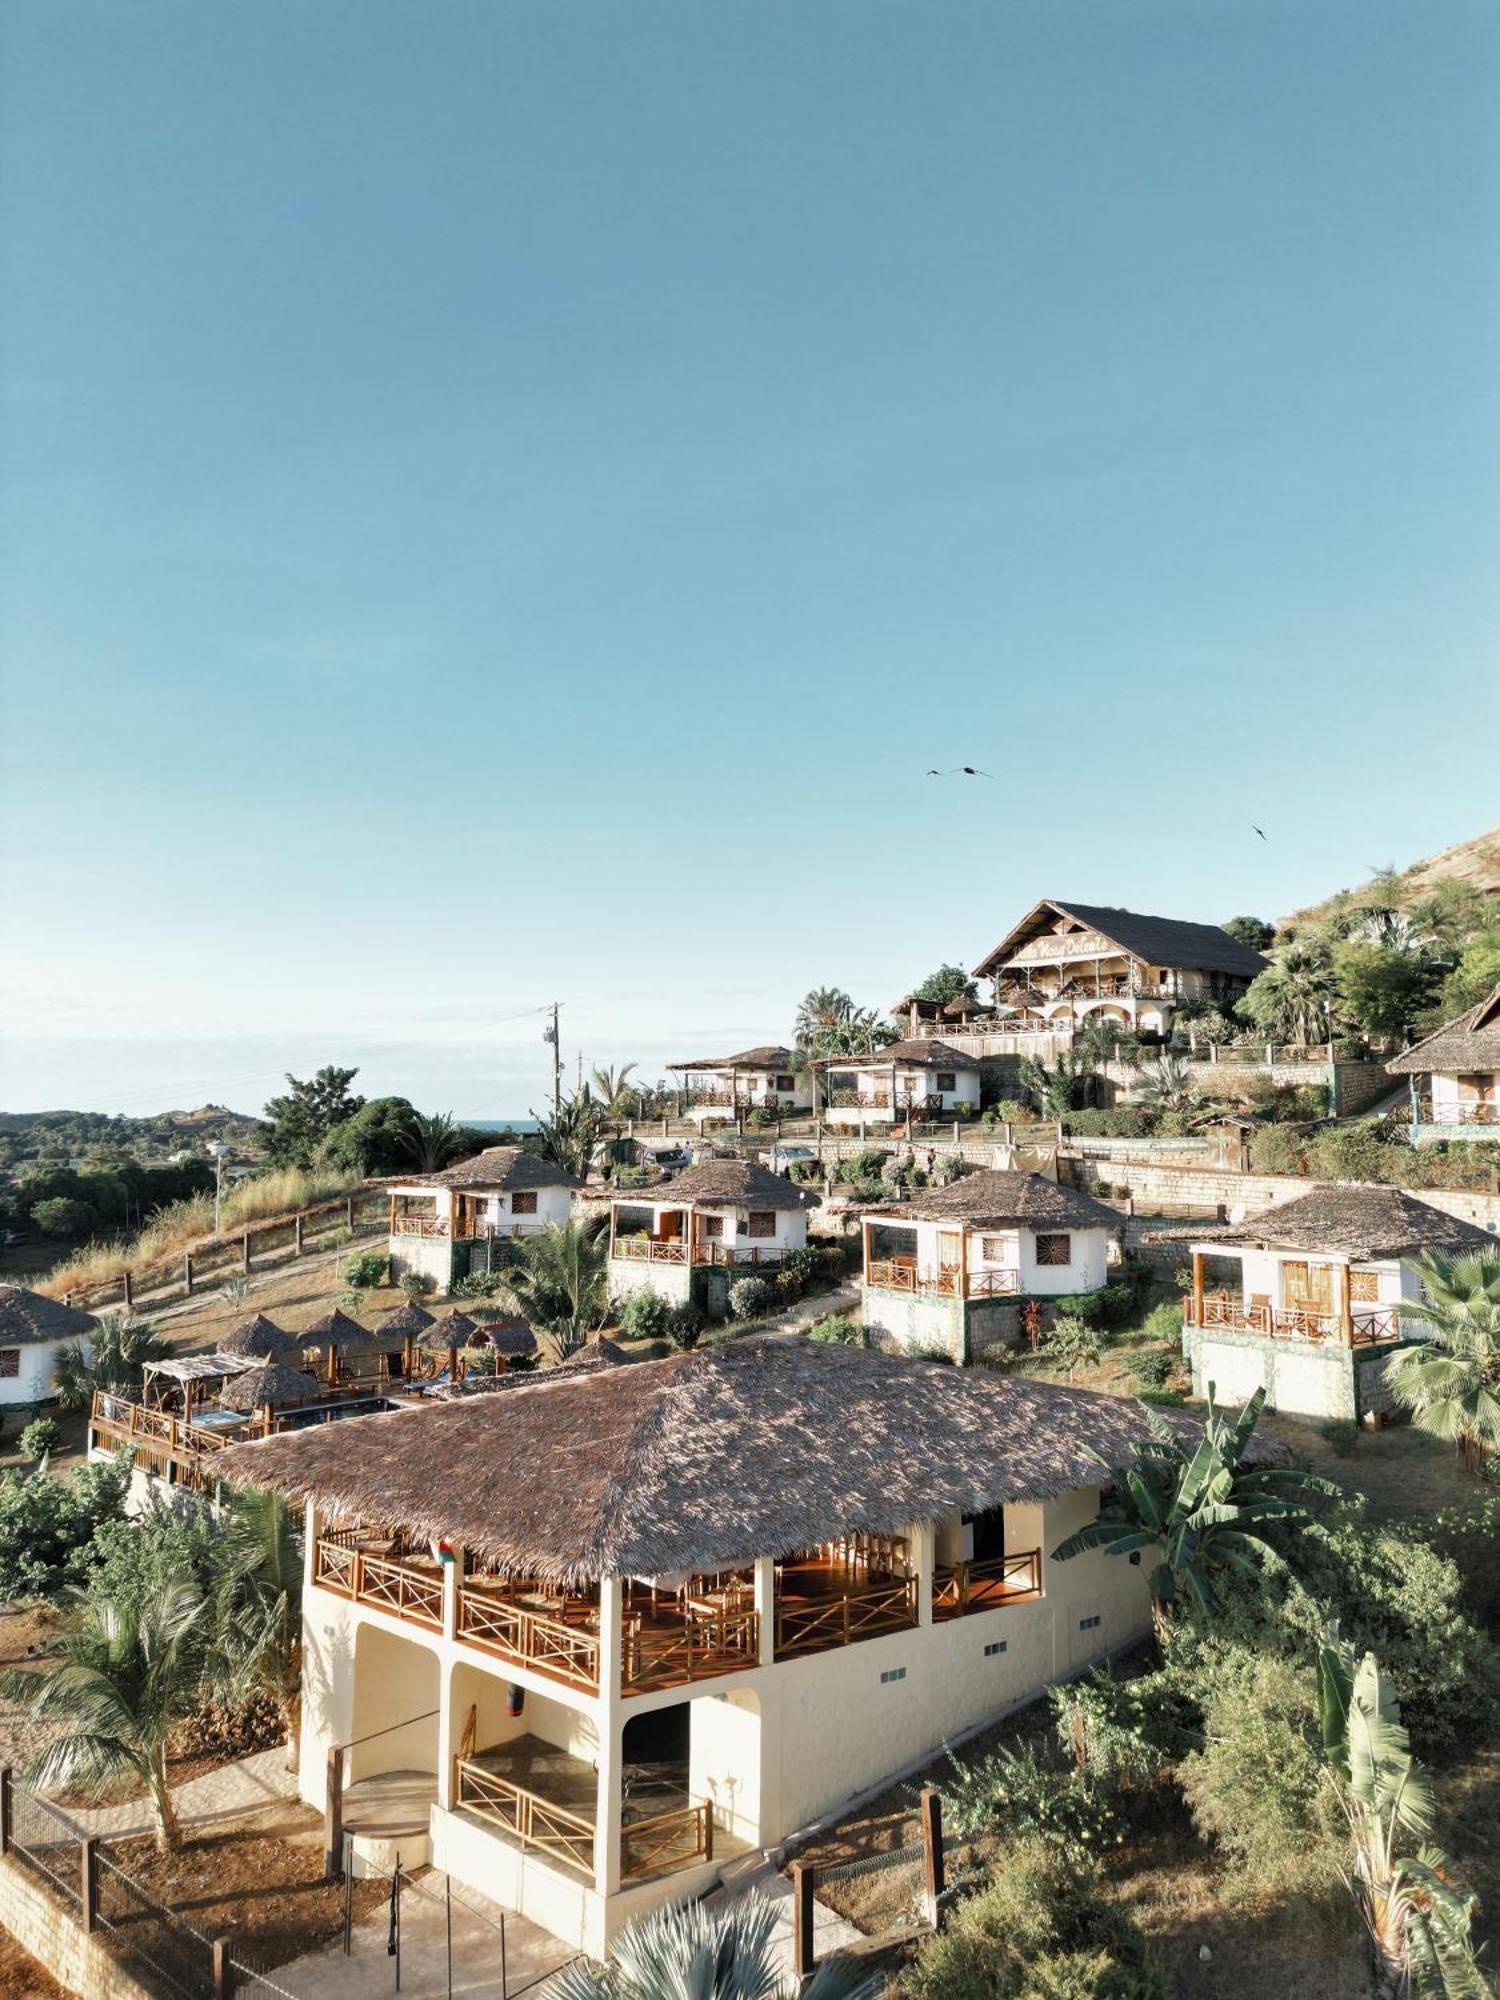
<point>448,1735</point>
<point>309,1537</point>
<point>609,1798</point>
<point>924,1545</point>
<point>765,1607</point>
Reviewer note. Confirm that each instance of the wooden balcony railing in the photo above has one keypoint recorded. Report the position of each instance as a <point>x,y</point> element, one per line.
<point>658,1655</point>
<point>666,1840</point>
<point>897,1274</point>
<point>994,1284</point>
<point>651,1249</point>
<point>734,1256</point>
<point>839,1620</point>
<point>406,1590</point>
<point>1452,1112</point>
<point>552,1646</point>
<point>532,1821</point>
<point>1368,1326</point>
<point>419,1225</point>
<point>960,1588</point>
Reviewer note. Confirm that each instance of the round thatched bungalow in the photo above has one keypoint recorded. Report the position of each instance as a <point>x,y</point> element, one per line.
<point>34,1330</point>
<point>259,1339</point>
<point>449,1224</point>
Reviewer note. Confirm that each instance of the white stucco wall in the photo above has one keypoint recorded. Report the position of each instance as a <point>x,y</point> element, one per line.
<point>36,1361</point>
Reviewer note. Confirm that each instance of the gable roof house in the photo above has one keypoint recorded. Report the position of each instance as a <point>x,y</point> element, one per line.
<point>1461,1068</point>
<point>1318,1309</point>
<point>949,1268</point>
<point>1065,961</point>
<point>619,1625</point>
<point>691,1236</point>
<point>34,1330</point>
<point>767,1079</point>
<point>922,1077</point>
<point>451,1223</point>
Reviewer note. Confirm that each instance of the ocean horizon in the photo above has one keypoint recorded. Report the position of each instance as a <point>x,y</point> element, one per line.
<point>500,1124</point>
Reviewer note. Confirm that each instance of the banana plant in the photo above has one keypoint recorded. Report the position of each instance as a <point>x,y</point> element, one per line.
<point>1202,1514</point>
<point>1416,1910</point>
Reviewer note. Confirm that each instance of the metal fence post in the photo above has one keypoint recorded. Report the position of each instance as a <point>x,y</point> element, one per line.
<point>88,1880</point>
<point>333,1813</point>
<point>7,1810</point>
<point>802,1919</point>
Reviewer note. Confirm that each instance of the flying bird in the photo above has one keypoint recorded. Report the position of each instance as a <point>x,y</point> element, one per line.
<point>961,771</point>
<point>1255,829</point>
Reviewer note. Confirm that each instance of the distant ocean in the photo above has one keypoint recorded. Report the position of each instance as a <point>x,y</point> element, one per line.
<point>499,1124</point>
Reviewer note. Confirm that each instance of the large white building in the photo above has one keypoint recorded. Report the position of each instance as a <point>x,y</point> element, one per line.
<point>603,1631</point>
<point>921,1078</point>
<point>34,1330</point>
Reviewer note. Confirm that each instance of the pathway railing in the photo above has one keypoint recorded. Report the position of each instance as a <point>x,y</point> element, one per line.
<point>534,1822</point>
<point>959,1588</point>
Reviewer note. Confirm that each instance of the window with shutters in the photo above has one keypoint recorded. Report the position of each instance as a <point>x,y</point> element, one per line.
<point>713,1225</point>
<point>761,1222</point>
<point>947,1080</point>
<point>10,1362</point>
<point>1054,1249</point>
<point>523,1204</point>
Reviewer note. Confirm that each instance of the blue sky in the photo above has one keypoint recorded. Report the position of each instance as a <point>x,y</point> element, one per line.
<point>506,501</point>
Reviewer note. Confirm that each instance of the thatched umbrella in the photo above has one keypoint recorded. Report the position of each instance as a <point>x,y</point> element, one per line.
<point>511,1337</point>
<point>267,1388</point>
<point>335,1334</point>
<point>594,1354</point>
<point>408,1322</point>
<point>259,1338</point>
<point>454,1329</point>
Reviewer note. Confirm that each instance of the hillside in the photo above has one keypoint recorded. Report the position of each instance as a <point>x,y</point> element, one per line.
<point>1475,863</point>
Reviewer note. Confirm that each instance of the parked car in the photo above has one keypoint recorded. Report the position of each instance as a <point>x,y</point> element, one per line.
<point>666,1159</point>
<point>781,1159</point>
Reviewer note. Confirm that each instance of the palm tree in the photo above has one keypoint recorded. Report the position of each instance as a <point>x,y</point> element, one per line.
<point>617,1095</point>
<point>1201,1515</point>
<point>823,1008</point>
<point>119,1678</point>
<point>1418,1915</point>
<point>258,1623</point>
<point>571,1134</point>
<point>1291,1000</point>
<point>560,1282</point>
<point>693,1952</point>
<point>1451,1384</point>
<point>433,1141</point>
<point>1167,1085</point>
<point>121,1347</point>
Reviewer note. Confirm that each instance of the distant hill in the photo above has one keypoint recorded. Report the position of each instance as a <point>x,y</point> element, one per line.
<point>1475,862</point>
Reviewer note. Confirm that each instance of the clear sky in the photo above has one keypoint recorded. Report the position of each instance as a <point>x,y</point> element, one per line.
<point>506,501</point>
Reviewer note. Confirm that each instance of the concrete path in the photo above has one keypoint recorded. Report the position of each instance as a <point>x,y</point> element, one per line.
<point>805,1311</point>
<point>760,1877</point>
<point>532,1955</point>
<point>248,1789</point>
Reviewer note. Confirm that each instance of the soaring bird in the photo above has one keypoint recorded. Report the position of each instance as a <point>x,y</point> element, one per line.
<point>1255,829</point>
<point>961,771</point>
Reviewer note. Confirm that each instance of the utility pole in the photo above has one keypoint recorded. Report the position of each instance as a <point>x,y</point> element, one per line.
<point>550,1034</point>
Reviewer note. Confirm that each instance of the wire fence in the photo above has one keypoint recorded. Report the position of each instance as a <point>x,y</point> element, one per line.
<point>164,1951</point>
<point>46,1842</point>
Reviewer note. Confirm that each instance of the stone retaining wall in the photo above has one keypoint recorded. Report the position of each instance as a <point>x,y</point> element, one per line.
<point>1208,1190</point>
<point>59,1942</point>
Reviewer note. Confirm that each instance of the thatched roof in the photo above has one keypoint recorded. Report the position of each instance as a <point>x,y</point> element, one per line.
<point>770,1056</point>
<point>918,1052</point>
<point>699,1460</point>
<point>997,1198</point>
<point>271,1383</point>
<point>260,1337</point>
<point>593,1355</point>
<point>1356,1219</point>
<point>450,1329</point>
<point>28,1317</point>
<point>501,1169</point>
<point>338,1331</point>
<point>408,1319</point>
<point>1164,941</point>
<point>1472,1042</point>
<point>505,1336</point>
<point>724,1184</point>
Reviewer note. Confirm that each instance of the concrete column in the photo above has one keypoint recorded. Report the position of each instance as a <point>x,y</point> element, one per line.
<point>449,1728</point>
<point>609,1800</point>
<point>924,1543</point>
<point>452,1575</point>
<point>309,1536</point>
<point>765,1607</point>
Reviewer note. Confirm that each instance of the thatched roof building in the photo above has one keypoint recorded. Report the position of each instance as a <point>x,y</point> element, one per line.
<point>991,1200</point>
<point>771,1056</point>
<point>511,1337</point>
<point>27,1318</point>
<point>699,1461</point>
<point>450,1329</point>
<point>919,1052</point>
<point>270,1386</point>
<point>1356,1219</point>
<point>1469,1044</point>
<point>499,1170</point>
<point>260,1338</point>
<point>410,1321</point>
<point>723,1184</point>
<point>336,1331</point>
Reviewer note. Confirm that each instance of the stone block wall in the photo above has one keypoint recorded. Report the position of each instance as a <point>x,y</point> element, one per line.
<point>1210,1191</point>
<point>78,1962</point>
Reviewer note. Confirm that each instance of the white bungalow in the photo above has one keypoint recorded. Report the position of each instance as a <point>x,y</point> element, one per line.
<point>921,1078</point>
<point>1318,1305</point>
<point>589,1639</point>
<point>690,1237</point>
<point>1064,962</point>
<point>948,1268</point>
<point>766,1079</point>
<point>34,1330</point>
<point>447,1224</point>
<point>1461,1068</point>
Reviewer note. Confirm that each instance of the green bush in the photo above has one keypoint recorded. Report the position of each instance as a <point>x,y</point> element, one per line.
<point>41,1437</point>
<point>1164,1399</point>
<point>481,1285</point>
<point>1152,1367</point>
<point>416,1285</point>
<point>685,1325</point>
<point>48,1526</point>
<point>1164,1322</point>
<point>646,1316</point>
<point>800,1270</point>
<point>1020,1793</point>
<point>64,1215</point>
<point>366,1269</point>
<point>837,1329</point>
<point>1276,1150</point>
<point>863,1168</point>
<point>1123,1122</point>
<point>1011,1111</point>
<point>749,1297</point>
<point>1073,1343</point>
<point>1342,1433</point>
<point>1103,1729</point>
<point>1111,1306</point>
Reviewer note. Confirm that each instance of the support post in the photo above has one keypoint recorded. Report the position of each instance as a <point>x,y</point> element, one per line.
<point>926,1540</point>
<point>223,1971</point>
<point>88,1880</point>
<point>1197,1288</point>
<point>349,1211</point>
<point>7,1809</point>
<point>245,1254</point>
<point>930,1807</point>
<point>187,1277</point>
<point>297,1234</point>
<point>333,1816</point>
<point>609,1799</point>
<point>802,1919</point>
<point>128,1284</point>
<point>765,1608</point>
<point>1346,1304</point>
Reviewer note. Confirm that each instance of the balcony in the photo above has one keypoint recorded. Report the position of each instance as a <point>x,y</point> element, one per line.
<point>900,1274</point>
<point>1452,1112</point>
<point>419,1225</point>
<point>1368,1326</point>
<point>651,1249</point>
<point>840,1595</point>
<point>961,1588</point>
<point>376,1572</point>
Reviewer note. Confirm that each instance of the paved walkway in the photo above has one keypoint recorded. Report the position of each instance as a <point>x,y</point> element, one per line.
<point>830,1930</point>
<point>247,1790</point>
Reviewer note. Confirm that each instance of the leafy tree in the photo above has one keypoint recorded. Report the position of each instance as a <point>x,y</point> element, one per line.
<point>118,1678</point>
<point>1380,987</point>
<point>695,1952</point>
<point>304,1116</point>
<point>1473,979</point>
<point>1452,1385</point>
<point>860,1033</point>
<point>1060,1088</point>
<point>48,1526</point>
<point>377,1139</point>
<point>1074,1343</point>
<point>823,1008</point>
<point>560,1282</point>
<point>432,1142</point>
<point>1418,1914</point>
<point>1200,1515</point>
<point>948,983</point>
<point>115,1359</point>
<point>1252,931</point>
<point>62,1215</point>
<point>1291,999</point>
<point>570,1135</point>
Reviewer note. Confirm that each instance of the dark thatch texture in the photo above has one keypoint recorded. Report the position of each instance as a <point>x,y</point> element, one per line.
<point>505,1336</point>
<point>771,1056</point>
<point>699,1460</point>
<point>592,1356</point>
<point>410,1319</point>
<point>1472,1042</point>
<point>271,1385</point>
<point>1356,1219</point>
<point>450,1329</point>
<point>724,1184</point>
<point>1163,941</point>
<point>27,1318</point>
<point>336,1330</point>
<point>993,1199</point>
<point>920,1052</point>
<point>260,1338</point>
<point>500,1169</point>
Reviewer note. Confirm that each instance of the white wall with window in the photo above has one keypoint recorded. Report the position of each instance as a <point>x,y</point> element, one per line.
<point>26,1370</point>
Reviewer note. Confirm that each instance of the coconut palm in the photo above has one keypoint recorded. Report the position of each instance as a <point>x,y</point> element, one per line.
<point>1418,1914</point>
<point>617,1095</point>
<point>560,1283</point>
<point>433,1141</point>
<point>692,1952</point>
<point>1451,1384</point>
<point>114,1359</point>
<point>1201,1515</point>
<point>570,1135</point>
<point>1291,1000</point>
<point>823,1008</point>
<point>258,1609</point>
<point>117,1679</point>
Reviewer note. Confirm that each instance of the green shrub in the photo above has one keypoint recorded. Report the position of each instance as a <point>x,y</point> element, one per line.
<point>837,1329</point>
<point>646,1316</point>
<point>1342,1433</point>
<point>1164,1399</point>
<point>800,1270</point>
<point>863,1168</point>
<point>1073,1343</point>
<point>1276,1150</point>
<point>749,1297</point>
<point>1152,1367</point>
<point>48,1526</point>
<point>1111,1306</point>
<point>41,1437</point>
<point>634,1177</point>
<point>1164,1322</point>
<point>1102,1729</point>
<point>930,1351</point>
<point>1011,1111</point>
<point>1020,1793</point>
<point>762,1115</point>
<point>685,1323</point>
<point>481,1285</point>
<point>64,1215</point>
<point>416,1285</point>
<point>366,1269</point>
<point>1123,1122</point>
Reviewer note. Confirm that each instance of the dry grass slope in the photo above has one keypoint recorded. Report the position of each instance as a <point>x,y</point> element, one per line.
<point>1476,862</point>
